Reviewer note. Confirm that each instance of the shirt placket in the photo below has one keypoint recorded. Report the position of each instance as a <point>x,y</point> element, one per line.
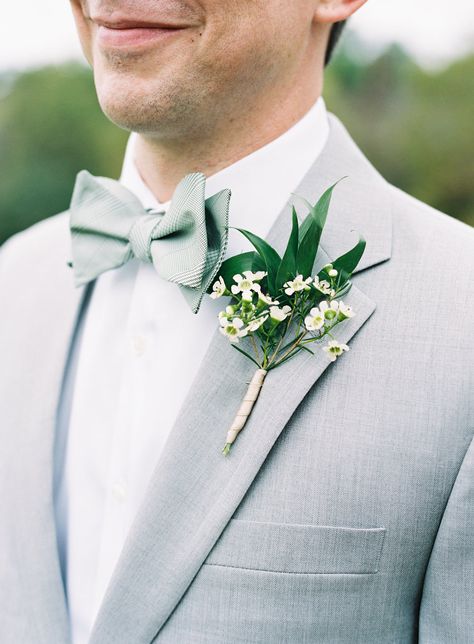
<point>117,510</point>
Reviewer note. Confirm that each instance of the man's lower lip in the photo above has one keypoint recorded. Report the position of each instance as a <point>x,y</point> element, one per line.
<point>108,37</point>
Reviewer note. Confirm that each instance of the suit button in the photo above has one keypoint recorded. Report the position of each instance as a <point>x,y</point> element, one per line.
<point>139,345</point>
<point>119,492</point>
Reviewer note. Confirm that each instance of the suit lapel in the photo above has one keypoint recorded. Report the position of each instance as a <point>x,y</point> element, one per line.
<point>195,489</point>
<point>39,570</point>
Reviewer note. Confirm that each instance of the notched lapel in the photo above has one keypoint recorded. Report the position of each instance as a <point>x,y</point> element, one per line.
<point>195,489</point>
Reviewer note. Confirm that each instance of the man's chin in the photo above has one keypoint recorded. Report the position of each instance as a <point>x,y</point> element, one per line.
<point>168,104</point>
<point>138,112</point>
<point>123,99</point>
<point>126,114</point>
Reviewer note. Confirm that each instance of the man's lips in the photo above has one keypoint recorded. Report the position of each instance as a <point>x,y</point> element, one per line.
<point>133,33</point>
<point>130,23</point>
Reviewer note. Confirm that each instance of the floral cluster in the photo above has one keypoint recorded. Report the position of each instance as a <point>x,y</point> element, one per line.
<point>309,303</point>
<point>279,311</point>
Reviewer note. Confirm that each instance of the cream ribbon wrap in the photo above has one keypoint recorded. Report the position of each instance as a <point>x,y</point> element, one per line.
<point>247,404</point>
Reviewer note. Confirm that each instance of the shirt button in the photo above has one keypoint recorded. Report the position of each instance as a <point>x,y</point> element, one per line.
<point>119,491</point>
<point>139,345</point>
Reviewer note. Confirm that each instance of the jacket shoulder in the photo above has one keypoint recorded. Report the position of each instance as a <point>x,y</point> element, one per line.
<point>427,214</point>
<point>431,234</point>
<point>47,235</point>
<point>37,250</point>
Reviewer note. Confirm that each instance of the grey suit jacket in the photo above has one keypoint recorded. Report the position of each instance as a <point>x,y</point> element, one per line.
<point>345,510</point>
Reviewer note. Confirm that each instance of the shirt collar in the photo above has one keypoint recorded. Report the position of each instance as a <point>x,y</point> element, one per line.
<point>260,182</point>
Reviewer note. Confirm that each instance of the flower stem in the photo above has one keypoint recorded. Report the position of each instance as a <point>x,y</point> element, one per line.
<point>294,345</point>
<point>288,323</point>
<point>269,362</point>
<point>254,344</point>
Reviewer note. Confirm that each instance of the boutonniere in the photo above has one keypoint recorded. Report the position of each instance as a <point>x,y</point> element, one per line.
<point>277,307</point>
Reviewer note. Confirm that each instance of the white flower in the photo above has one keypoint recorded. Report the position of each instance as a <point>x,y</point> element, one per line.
<point>229,311</point>
<point>266,300</point>
<point>298,284</point>
<point>255,277</point>
<point>256,324</point>
<point>329,309</point>
<point>245,284</point>
<point>278,314</point>
<point>218,288</point>
<point>332,272</point>
<point>344,311</point>
<point>323,287</point>
<point>334,349</point>
<point>247,296</point>
<point>232,329</point>
<point>315,320</point>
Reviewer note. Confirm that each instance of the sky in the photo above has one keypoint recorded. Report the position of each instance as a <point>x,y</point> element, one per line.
<point>35,32</point>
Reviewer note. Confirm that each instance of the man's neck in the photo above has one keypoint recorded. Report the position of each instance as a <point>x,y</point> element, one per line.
<point>163,163</point>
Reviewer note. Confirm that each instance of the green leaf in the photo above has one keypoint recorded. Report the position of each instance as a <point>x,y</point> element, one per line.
<point>308,248</point>
<point>247,355</point>
<point>346,264</point>
<point>340,291</point>
<point>268,254</point>
<point>287,268</point>
<point>311,230</point>
<point>250,261</point>
<point>288,357</point>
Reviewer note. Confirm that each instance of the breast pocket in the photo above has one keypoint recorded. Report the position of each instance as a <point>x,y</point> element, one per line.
<point>298,548</point>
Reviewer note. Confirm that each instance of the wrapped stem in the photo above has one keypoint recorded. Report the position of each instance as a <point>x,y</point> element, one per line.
<point>245,408</point>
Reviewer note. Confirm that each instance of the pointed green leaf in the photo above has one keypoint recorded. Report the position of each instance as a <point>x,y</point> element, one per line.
<point>322,204</point>
<point>246,354</point>
<point>268,254</point>
<point>308,220</point>
<point>308,248</point>
<point>347,263</point>
<point>287,268</point>
<point>340,291</point>
<point>311,230</point>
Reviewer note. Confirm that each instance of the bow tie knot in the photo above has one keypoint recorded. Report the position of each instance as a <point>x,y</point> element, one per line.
<point>186,245</point>
<point>141,235</point>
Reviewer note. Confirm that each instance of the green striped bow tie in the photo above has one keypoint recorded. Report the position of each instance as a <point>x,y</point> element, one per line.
<point>186,245</point>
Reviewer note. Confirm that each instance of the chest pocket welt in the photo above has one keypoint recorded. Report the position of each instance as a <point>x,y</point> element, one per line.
<point>298,548</point>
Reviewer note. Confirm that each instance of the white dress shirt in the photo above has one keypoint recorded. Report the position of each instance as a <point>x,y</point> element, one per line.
<point>140,349</point>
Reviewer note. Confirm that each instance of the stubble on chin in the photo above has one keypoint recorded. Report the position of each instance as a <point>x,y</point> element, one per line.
<point>167,108</point>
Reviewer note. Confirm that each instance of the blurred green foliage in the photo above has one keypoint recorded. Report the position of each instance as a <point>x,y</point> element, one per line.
<point>50,128</point>
<point>414,125</point>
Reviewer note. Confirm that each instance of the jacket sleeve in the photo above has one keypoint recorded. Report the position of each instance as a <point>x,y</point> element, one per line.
<point>447,603</point>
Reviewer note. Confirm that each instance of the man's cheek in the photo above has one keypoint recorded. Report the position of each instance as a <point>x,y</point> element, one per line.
<point>84,30</point>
